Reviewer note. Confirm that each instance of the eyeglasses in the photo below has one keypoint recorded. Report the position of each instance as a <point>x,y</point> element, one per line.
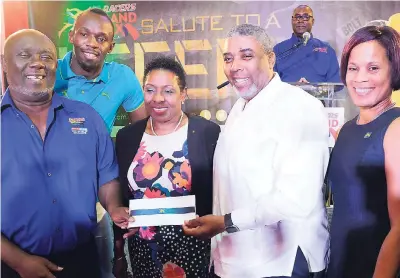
<point>304,17</point>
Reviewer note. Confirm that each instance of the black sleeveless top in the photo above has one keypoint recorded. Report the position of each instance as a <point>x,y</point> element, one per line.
<point>360,219</point>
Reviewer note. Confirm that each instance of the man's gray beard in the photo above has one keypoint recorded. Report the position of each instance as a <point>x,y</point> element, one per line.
<point>38,94</point>
<point>249,94</point>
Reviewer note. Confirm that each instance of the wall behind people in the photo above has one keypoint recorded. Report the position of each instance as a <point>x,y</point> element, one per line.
<point>13,17</point>
<point>194,32</point>
<point>394,22</point>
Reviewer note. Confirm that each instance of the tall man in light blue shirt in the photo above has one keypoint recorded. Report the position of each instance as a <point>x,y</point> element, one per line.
<point>84,75</point>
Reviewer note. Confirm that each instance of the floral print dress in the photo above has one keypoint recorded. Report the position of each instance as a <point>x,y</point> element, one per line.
<point>161,168</point>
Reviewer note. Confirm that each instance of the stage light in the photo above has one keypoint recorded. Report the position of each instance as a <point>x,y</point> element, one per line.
<point>394,22</point>
<point>205,114</point>
<point>221,115</point>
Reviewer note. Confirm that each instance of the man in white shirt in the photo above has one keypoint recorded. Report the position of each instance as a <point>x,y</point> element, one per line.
<point>269,166</point>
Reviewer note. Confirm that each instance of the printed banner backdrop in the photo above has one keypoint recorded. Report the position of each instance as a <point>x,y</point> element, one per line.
<point>336,121</point>
<point>193,33</point>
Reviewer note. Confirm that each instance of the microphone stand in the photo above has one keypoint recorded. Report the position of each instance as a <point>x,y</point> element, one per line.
<point>294,47</point>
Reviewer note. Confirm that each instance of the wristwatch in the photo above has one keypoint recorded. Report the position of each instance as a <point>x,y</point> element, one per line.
<point>229,226</point>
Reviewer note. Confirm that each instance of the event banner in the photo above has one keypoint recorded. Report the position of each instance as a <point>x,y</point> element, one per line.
<point>194,32</point>
<point>336,121</point>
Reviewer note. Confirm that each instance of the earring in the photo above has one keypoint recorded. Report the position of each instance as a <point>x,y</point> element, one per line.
<point>183,102</point>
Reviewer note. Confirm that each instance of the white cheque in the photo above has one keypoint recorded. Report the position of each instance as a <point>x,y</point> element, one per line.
<point>162,211</point>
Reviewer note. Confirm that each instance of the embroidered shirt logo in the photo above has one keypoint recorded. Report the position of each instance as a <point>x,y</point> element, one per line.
<point>65,94</point>
<point>367,135</point>
<point>321,49</point>
<point>76,121</point>
<point>105,95</point>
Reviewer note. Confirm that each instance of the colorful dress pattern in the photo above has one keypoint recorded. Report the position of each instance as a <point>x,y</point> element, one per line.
<point>161,168</point>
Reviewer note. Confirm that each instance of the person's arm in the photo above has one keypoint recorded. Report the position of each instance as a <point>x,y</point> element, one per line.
<point>107,171</point>
<point>388,262</point>
<point>299,174</point>
<point>11,254</point>
<point>109,196</point>
<point>24,264</point>
<point>134,100</point>
<point>333,74</point>
<point>119,263</point>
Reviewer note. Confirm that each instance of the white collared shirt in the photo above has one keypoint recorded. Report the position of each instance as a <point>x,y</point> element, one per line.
<point>269,167</point>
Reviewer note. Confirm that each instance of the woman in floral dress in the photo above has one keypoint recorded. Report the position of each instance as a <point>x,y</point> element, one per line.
<point>168,154</point>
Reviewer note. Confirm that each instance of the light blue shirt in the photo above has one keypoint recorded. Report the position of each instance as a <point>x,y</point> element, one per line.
<point>115,86</point>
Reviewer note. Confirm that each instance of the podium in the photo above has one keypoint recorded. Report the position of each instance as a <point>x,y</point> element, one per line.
<point>330,94</point>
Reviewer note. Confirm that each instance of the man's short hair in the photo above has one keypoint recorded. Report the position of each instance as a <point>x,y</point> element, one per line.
<point>303,7</point>
<point>97,11</point>
<point>255,31</point>
<point>387,37</point>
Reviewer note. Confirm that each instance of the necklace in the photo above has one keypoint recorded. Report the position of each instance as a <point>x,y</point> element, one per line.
<point>152,128</point>
<point>380,113</point>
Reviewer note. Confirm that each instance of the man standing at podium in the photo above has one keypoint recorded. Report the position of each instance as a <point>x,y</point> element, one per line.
<point>312,60</point>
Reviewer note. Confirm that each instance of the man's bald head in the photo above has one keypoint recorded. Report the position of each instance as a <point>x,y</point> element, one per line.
<point>27,34</point>
<point>30,62</point>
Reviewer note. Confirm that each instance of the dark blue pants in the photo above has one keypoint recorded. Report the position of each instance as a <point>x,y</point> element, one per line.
<point>300,268</point>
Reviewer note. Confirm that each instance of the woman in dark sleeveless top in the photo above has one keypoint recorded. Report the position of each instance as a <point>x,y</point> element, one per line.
<point>364,170</point>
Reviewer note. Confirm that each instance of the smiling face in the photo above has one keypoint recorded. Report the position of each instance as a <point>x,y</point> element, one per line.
<point>247,67</point>
<point>30,63</point>
<point>368,74</point>
<point>92,38</point>
<point>162,95</point>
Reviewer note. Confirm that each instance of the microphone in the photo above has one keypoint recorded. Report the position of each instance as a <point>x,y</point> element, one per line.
<point>222,85</point>
<point>306,37</point>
